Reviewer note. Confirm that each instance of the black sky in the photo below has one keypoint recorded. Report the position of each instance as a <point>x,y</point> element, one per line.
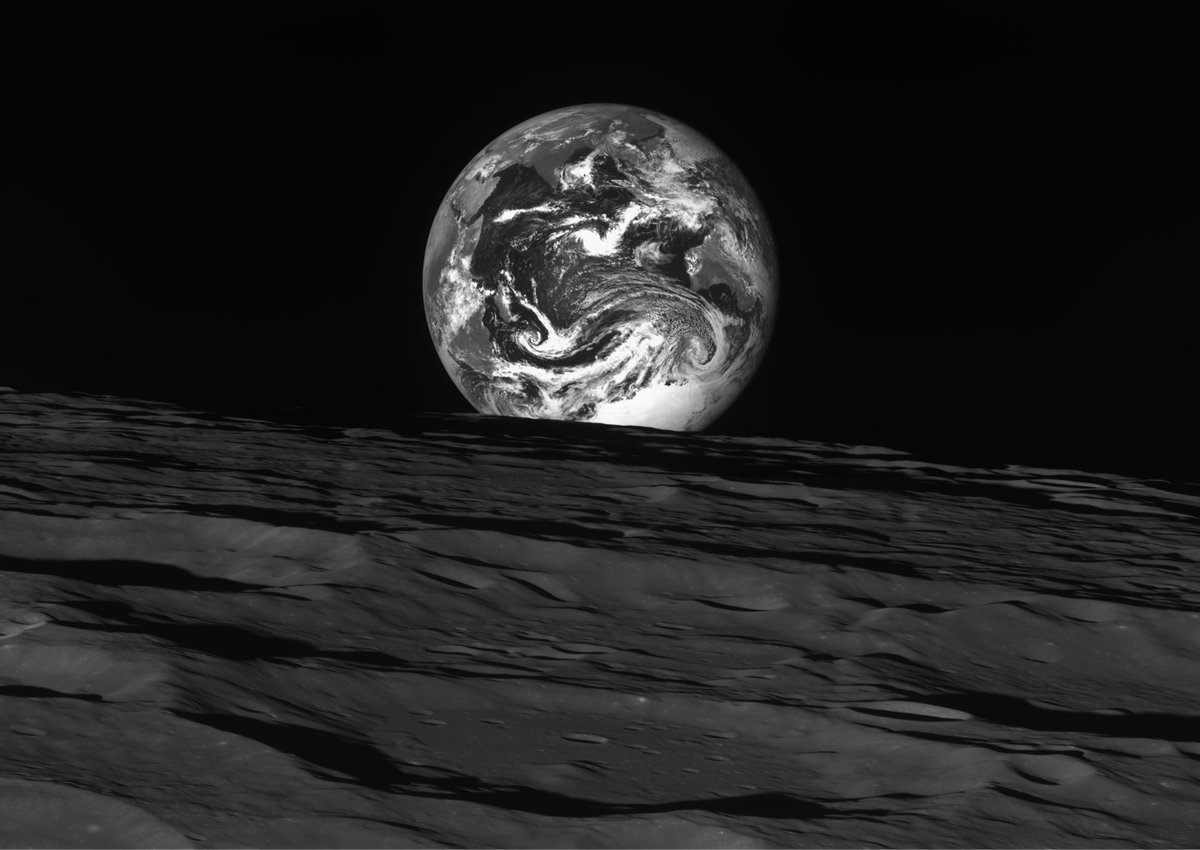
<point>986,213</point>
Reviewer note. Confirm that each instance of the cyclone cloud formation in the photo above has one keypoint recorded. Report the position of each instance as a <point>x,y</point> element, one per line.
<point>601,263</point>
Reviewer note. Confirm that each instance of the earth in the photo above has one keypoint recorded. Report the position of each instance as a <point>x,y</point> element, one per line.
<point>601,263</point>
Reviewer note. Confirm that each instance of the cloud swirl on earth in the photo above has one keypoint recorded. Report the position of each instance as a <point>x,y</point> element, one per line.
<point>603,264</point>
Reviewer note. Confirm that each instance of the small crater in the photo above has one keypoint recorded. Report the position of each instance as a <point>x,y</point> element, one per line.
<point>18,622</point>
<point>1088,610</point>
<point>457,575</point>
<point>1053,769</point>
<point>585,738</point>
<point>546,585</point>
<point>911,710</point>
<point>754,602</point>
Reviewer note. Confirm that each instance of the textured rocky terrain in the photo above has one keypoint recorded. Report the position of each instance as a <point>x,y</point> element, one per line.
<point>227,632</point>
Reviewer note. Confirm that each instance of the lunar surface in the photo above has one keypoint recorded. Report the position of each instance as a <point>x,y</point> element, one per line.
<point>601,263</point>
<point>488,632</point>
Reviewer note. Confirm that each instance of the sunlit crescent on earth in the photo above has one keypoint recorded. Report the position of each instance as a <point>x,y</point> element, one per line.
<point>601,263</point>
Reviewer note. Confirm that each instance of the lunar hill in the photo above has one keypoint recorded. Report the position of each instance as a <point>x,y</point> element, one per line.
<point>479,632</point>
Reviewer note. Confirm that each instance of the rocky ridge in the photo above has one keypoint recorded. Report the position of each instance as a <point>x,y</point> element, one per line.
<point>220,631</point>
